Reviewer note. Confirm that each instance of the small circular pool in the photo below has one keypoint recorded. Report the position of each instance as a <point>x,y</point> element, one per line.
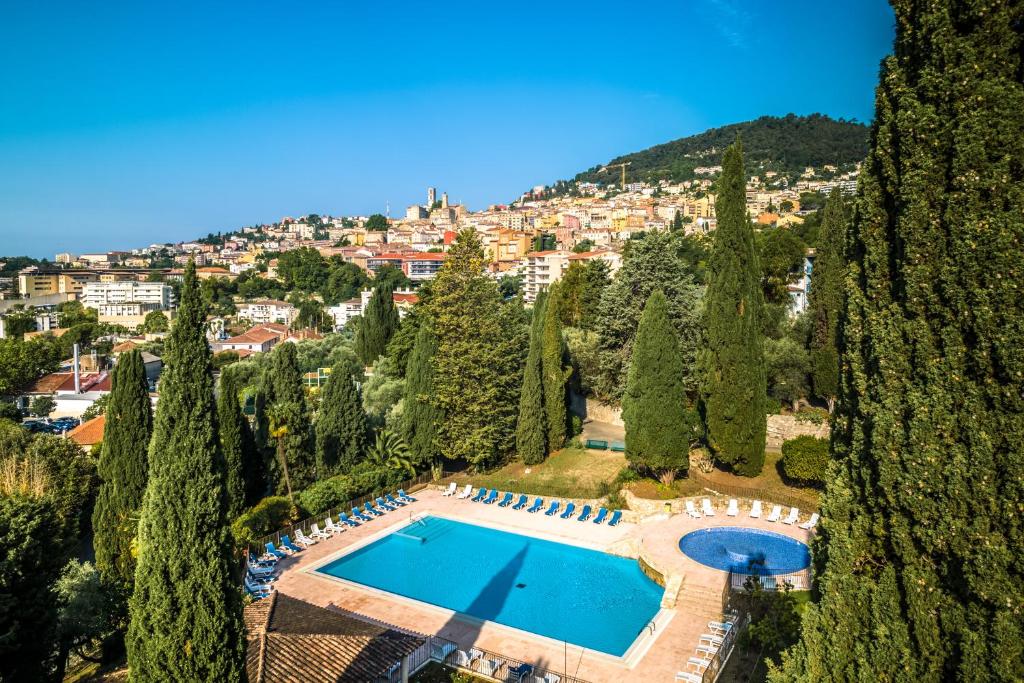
<point>745,551</point>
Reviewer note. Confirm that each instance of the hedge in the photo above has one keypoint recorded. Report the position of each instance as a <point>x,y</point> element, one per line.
<point>805,459</point>
<point>266,517</point>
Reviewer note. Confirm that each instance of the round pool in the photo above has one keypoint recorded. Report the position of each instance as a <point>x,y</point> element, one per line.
<point>745,551</point>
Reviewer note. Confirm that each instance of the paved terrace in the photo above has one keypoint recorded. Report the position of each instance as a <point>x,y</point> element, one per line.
<point>655,539</point>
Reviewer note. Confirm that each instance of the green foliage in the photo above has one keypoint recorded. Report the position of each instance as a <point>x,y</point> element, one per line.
<point>232,425</point>
<point>781,254</point>
<point>9,411</point>
<point>73,313</point>
<point>340,489</point>
<point>377,325</point>
<point>421,417</point>
<point>390,275</point>
<point>282,386</point>
<point>805,459</point>
<point>85,609</point>
<point>22,362</point>
<point>787,364</point>
<point>581,288</point>
<point>531,425</point>
<point>402,342</point>
<point>583,246</point>
<point>382,393</point>
<point>736,383</point>
<point>96,408</point>
<point>553,371</point>
<point>774,619</point>
<point>341,425</point>
<point>43,405</point>
<point>155,321</point>
<point>188,627</point>
<point>389,451</point>
<point>266,517</point>
<point>918,562</point>
<point>826,299</point>
<point>376,222</point>
<point>659,422</point>
<point>222,359</point>
<point>71,480</point>
<point>344,282</point>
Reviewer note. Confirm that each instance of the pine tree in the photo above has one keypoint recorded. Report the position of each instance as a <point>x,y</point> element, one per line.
<point>736,382</point>
<point>341,425</point>
<point>420,416</point>
<point>283,386</point>
<point>659,422</point>
<point>531,426</point>
<point>826,299</point>
<point>186,609</point>
<point>122,472</point>
<point>379,323</point>
<point>918,560</point>
<point>553,370</point>
<point>232,427</point>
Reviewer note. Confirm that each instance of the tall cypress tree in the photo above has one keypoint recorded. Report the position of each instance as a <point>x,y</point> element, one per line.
<point>826,299</point>
<point>420,417</point>
<point>122,471</point>
<point>553,370</point>
<point>341,425</point>
<point>283,386</point>
<point>659,422</point>
<point>531,426</point>
<point>736,382</point>
<point>186,609</point>
<point>379,323</point>
<point>232,428</point>
<point>918,561</point>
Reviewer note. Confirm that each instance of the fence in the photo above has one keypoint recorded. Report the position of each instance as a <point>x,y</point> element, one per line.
<point>804,501</point>
<point>771,582</point>
<point>721,655</point>
<point>492,665</point>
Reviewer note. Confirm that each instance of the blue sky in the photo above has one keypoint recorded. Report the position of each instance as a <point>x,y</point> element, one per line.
<point>123,124</point>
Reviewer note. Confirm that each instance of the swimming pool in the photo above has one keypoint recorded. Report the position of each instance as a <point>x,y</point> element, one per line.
<point>585,597</point>
<point>745,551</point>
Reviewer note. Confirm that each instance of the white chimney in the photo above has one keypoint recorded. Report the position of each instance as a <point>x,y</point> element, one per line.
<point>78,379</point>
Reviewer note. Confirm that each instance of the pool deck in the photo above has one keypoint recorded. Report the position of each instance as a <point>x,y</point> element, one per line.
<point>655,539</point>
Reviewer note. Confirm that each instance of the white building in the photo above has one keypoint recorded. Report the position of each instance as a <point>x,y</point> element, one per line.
<point>143,296</point>
<point>268,311</point>
<point>541,269</point>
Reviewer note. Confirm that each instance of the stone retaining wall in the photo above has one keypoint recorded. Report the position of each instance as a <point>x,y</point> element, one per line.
<point>604,413</point>
<point>785,427</point>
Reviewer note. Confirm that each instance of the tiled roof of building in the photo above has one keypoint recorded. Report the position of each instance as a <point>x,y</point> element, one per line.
<point>89,433</point>
<point>291,641</point>
<point>65,381</point>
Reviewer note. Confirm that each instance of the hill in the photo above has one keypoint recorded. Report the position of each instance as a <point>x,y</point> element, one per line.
<point>785,144</point>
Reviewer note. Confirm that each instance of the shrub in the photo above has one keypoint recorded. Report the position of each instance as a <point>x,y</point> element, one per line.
<point>327,493</point>
<point>224,358</point>
<point>266,517</point>
<point>805,459</point>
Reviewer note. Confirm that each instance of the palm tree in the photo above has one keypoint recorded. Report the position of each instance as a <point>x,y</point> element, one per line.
<point>390,450</point>
<point>280,415</point>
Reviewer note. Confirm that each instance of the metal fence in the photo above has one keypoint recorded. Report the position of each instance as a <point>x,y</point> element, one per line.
<point>771,582</point>
<point>804,501</point>
<point>721,656</point>
<point>498,667</point>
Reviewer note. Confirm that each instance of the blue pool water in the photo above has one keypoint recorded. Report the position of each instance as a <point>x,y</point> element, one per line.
<point>745,551</point>
<point>587,598</point>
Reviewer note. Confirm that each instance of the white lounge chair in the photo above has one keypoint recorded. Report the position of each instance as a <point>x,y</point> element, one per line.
<point>691,510</point>
<point>733,509</point>
<point>465,659</point>
<point>706,650</point>
<point>810,523</point>
<point>450,491</point>
<point>711,639</point>
<point>689,677</point>
<point>794,515</point>
<point>466,492</point>
<point>330,526</point>
<point>705,507</point>
<point>552,678</point>
<point>723,626</point>
<point>489,667</point>
<point>775,515</point>
<point>700,662</point>
<point>315,532</point>
<point>302,538</point>
<point>755,510</point>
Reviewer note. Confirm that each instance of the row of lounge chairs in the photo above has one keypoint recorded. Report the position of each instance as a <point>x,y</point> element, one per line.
<point>733,510</point>
<point>554,508</point>
<point>479,661</point>
<point>707,648</point>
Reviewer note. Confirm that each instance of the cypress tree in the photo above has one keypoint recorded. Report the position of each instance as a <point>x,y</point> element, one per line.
<point>531,427</point>
<point>232,427</point>
<point>826,299</point>
<point>420,416</point>
<point>283,386</point>
<point>341,425</point>
<point>553,371</point>
<point>918,559</point>
<point>122,472</point>
<point>736,382</point>
<point>186,609</point>
<point>379,323</point>
<point>659,424</point>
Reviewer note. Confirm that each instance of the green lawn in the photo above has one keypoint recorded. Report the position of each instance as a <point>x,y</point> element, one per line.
<point>569,473</point>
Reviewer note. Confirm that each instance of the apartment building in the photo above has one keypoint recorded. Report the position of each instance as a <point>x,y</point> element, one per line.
<point>422,266</point>
<point>35,281</point>
<point>268,311</point>
<point>541,269</point>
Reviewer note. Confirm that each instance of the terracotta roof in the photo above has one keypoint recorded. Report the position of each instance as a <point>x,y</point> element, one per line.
<point>89,433</point>
<point>405,298</point>
<point>126,345</point>
<point>256,335</point>
<point>291,641</point>
<point>48,384</point>
<point>585,255</point>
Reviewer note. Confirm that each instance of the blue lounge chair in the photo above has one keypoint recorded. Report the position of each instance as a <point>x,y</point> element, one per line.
<point>402,495</point>
<point>537,505</point>
<point>481,494</point>
<point>358,514</point>
<point>345,519</point>
<point>275,552</point>
<point>287,543</point>
<point>257,595</point>
<point>491,497</point>
<point>616,518</point>
<point>601,514</point>
<point>584,514</point>
<point>520,672</point>
<point>506,501</point>
<point>372,511</point>
<point>521,503</point>
<point>381,503</point>
<point>394,501</point>
<point>570,510</point>
<point>553,509</point>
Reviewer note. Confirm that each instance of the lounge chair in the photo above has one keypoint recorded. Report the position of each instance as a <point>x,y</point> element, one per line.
<point>689,677</point>
<point>450,491</point>
<point>700,662</point>
<point>381,503</point>
<point>481,494</point>
<point>810,523</point>
<point>775,514</point>
<point>267,560</point>
<point>616,518</point>
<point>692,510</point>
<point>601,514</point>
<point>287,543</point>
<point>394,501</point>
<point>707,650</point>
<point>258,595</point>
<point>550,512</point>
<point>370,509</point>
<point>537,505</point>
<point>705,507</point>
<point>584,514</point>
<point>465,492</point>
<point>464,659</point>
<point>258,582</point>
<point>723,626</point>
<point>302,539</point>
<point>733,509</point>
<point>552,678</point>
<point>506,500</point>
<point>315,532</point>
<point>491,497</point>
<point>259,571</point>
<point>346,520</point>
<point>521,503</point>
<point>794,515</point>
<point>755,510</point>
<point>489,667</point>
<point>440,651</point>
<point>570,510</point>
<point>712,639</point>
<point>402,495</point>
<point>280,554</point>
<point>517,673</point>
<point>361,516</point>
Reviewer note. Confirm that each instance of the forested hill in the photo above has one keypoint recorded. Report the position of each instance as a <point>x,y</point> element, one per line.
<point>786,144</point>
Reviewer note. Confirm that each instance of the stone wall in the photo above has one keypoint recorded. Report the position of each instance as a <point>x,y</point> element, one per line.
<point>785,427</point>
<point>604,413</point>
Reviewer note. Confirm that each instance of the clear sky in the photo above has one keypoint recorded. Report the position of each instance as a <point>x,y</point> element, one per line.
<point>127,123</point>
